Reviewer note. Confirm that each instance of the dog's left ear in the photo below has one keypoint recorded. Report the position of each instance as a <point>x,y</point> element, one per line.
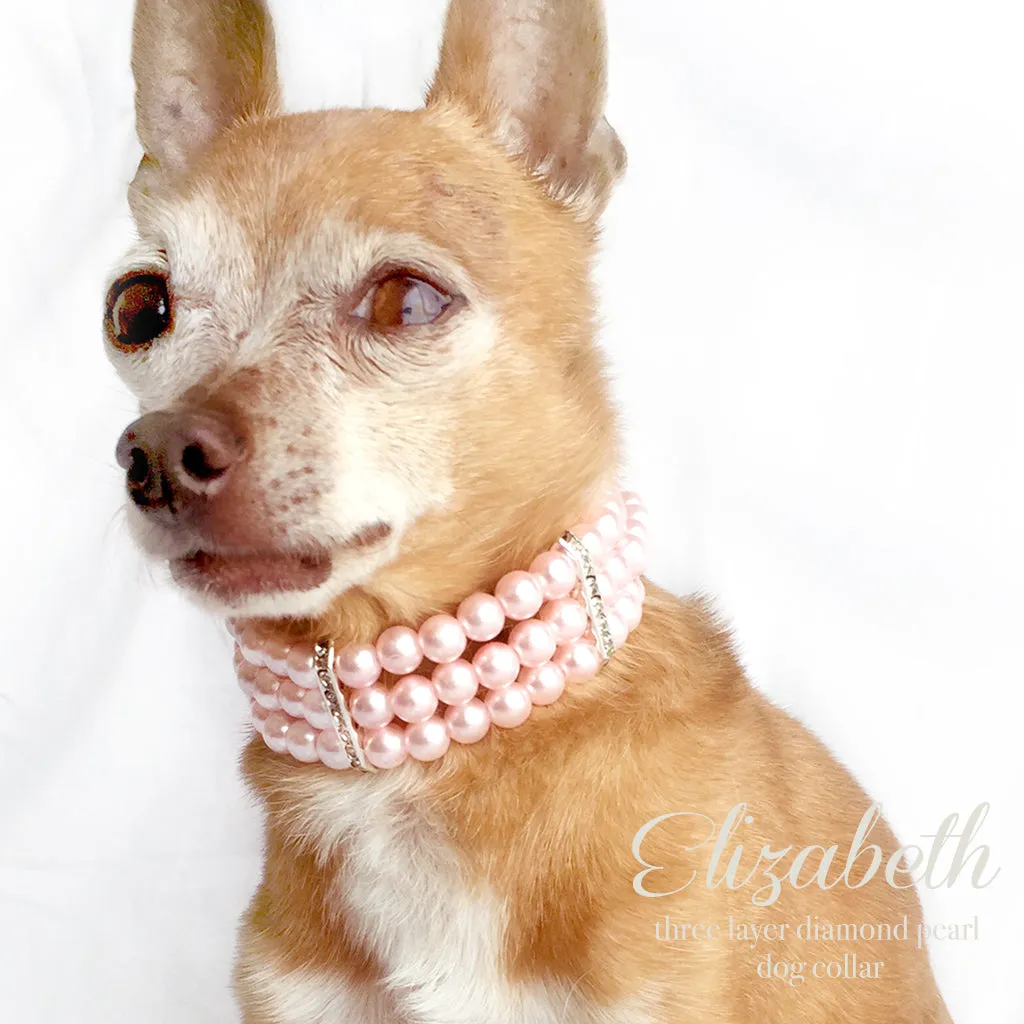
<point>532,73</point>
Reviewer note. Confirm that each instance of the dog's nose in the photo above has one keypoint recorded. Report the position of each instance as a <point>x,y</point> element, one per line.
<point>173,460</point>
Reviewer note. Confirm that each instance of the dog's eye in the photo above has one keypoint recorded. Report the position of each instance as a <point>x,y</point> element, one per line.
<point>138,311</point>
<point>402,301</point>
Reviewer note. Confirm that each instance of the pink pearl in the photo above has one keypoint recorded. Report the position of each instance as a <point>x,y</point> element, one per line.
<point>315,712</point>
<point>604,585</point>
<point>399,651</point>
<point>330,750</point>
<point>275,731</point>
<point>591,540</point>
<point>637,532</point>
<point>633,556</point>
<point>357,666</point>
<point>481,616</point>
<point>509,707</point>
<point>617,572</point>
<point>628,610</point>
<point>291,698</point>
<point>615,507</point>
<point>631,499</point>
<point>385,748</point>
<point>567,617</point>
<point>251,644</point>
<point>247,672</point>
<point>300,665</point>
<point>618,630</point>
<point>468,723</point>
<point>275,656</point>
<point>259,716</point>
<point>579,661</point>
<point>301,740</point>
<point>427,741</point>
<point>371,708</point>
<point>456,682</point>
<point>520,594</point>
<point>545,684</point>
<point>533,641</point>
<point>264,689</point>
<point>608,529</point>
<point>496,665</point>
<point>635,591</point>
<point>556,572</point>
<point>638,517</point>
<point>442,639</point>
<point>413,699</point>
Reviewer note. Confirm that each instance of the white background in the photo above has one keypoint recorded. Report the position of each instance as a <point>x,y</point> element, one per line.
<point>813,293</point>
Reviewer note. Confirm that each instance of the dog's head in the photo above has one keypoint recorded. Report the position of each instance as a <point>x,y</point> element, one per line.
<point>359,336</point>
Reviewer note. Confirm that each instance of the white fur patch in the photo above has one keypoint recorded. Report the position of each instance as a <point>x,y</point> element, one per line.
<point>365,422</point>
<point>439,940</point>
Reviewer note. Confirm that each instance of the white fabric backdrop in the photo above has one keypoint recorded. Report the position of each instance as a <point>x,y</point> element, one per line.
<point>824,413</point>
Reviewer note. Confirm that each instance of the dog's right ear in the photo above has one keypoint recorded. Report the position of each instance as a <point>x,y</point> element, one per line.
<point>199,66</point>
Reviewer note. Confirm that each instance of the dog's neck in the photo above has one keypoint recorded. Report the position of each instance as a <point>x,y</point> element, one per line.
<point>378,692</point>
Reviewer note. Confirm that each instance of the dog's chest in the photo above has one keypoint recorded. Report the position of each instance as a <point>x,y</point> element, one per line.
<point>404,889</point>
<point>437,934</point>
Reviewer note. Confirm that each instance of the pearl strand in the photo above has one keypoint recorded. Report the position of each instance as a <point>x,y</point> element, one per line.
<point>548,645</point>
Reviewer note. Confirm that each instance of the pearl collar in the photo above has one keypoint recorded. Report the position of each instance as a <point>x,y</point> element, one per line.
<point>415,691</point>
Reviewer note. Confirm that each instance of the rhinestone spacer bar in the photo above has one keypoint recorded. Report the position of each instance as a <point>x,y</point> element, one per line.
<point>323,663</point>
<point>591,593</point>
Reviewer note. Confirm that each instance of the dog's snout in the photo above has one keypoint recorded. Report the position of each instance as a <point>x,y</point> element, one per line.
<point>173,460</point>
<point>202,450</point>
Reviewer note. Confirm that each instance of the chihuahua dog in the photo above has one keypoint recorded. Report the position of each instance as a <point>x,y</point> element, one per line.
<point>362,342</point>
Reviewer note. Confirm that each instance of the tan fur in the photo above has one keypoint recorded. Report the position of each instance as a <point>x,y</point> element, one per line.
<point>496,435</point>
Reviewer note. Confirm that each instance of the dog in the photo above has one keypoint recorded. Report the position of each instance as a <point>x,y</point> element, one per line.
<point>362,342</point>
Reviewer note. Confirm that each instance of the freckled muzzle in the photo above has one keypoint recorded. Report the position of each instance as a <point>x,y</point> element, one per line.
<point>191,474</point>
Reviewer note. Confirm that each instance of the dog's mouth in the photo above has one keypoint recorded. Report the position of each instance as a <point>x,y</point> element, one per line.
<point>229,578</point>
<point>232,577</point>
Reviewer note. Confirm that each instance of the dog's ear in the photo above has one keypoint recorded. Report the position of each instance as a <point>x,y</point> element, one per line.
<point>532,72</point>
<point>199,65</point>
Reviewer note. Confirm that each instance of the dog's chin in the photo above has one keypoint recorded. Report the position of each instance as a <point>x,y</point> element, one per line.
<point>281,584</point>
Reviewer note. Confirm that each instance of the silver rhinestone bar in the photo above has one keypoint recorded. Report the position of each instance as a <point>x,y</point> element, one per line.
<point>592,600</point>
<point>334,701</point>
